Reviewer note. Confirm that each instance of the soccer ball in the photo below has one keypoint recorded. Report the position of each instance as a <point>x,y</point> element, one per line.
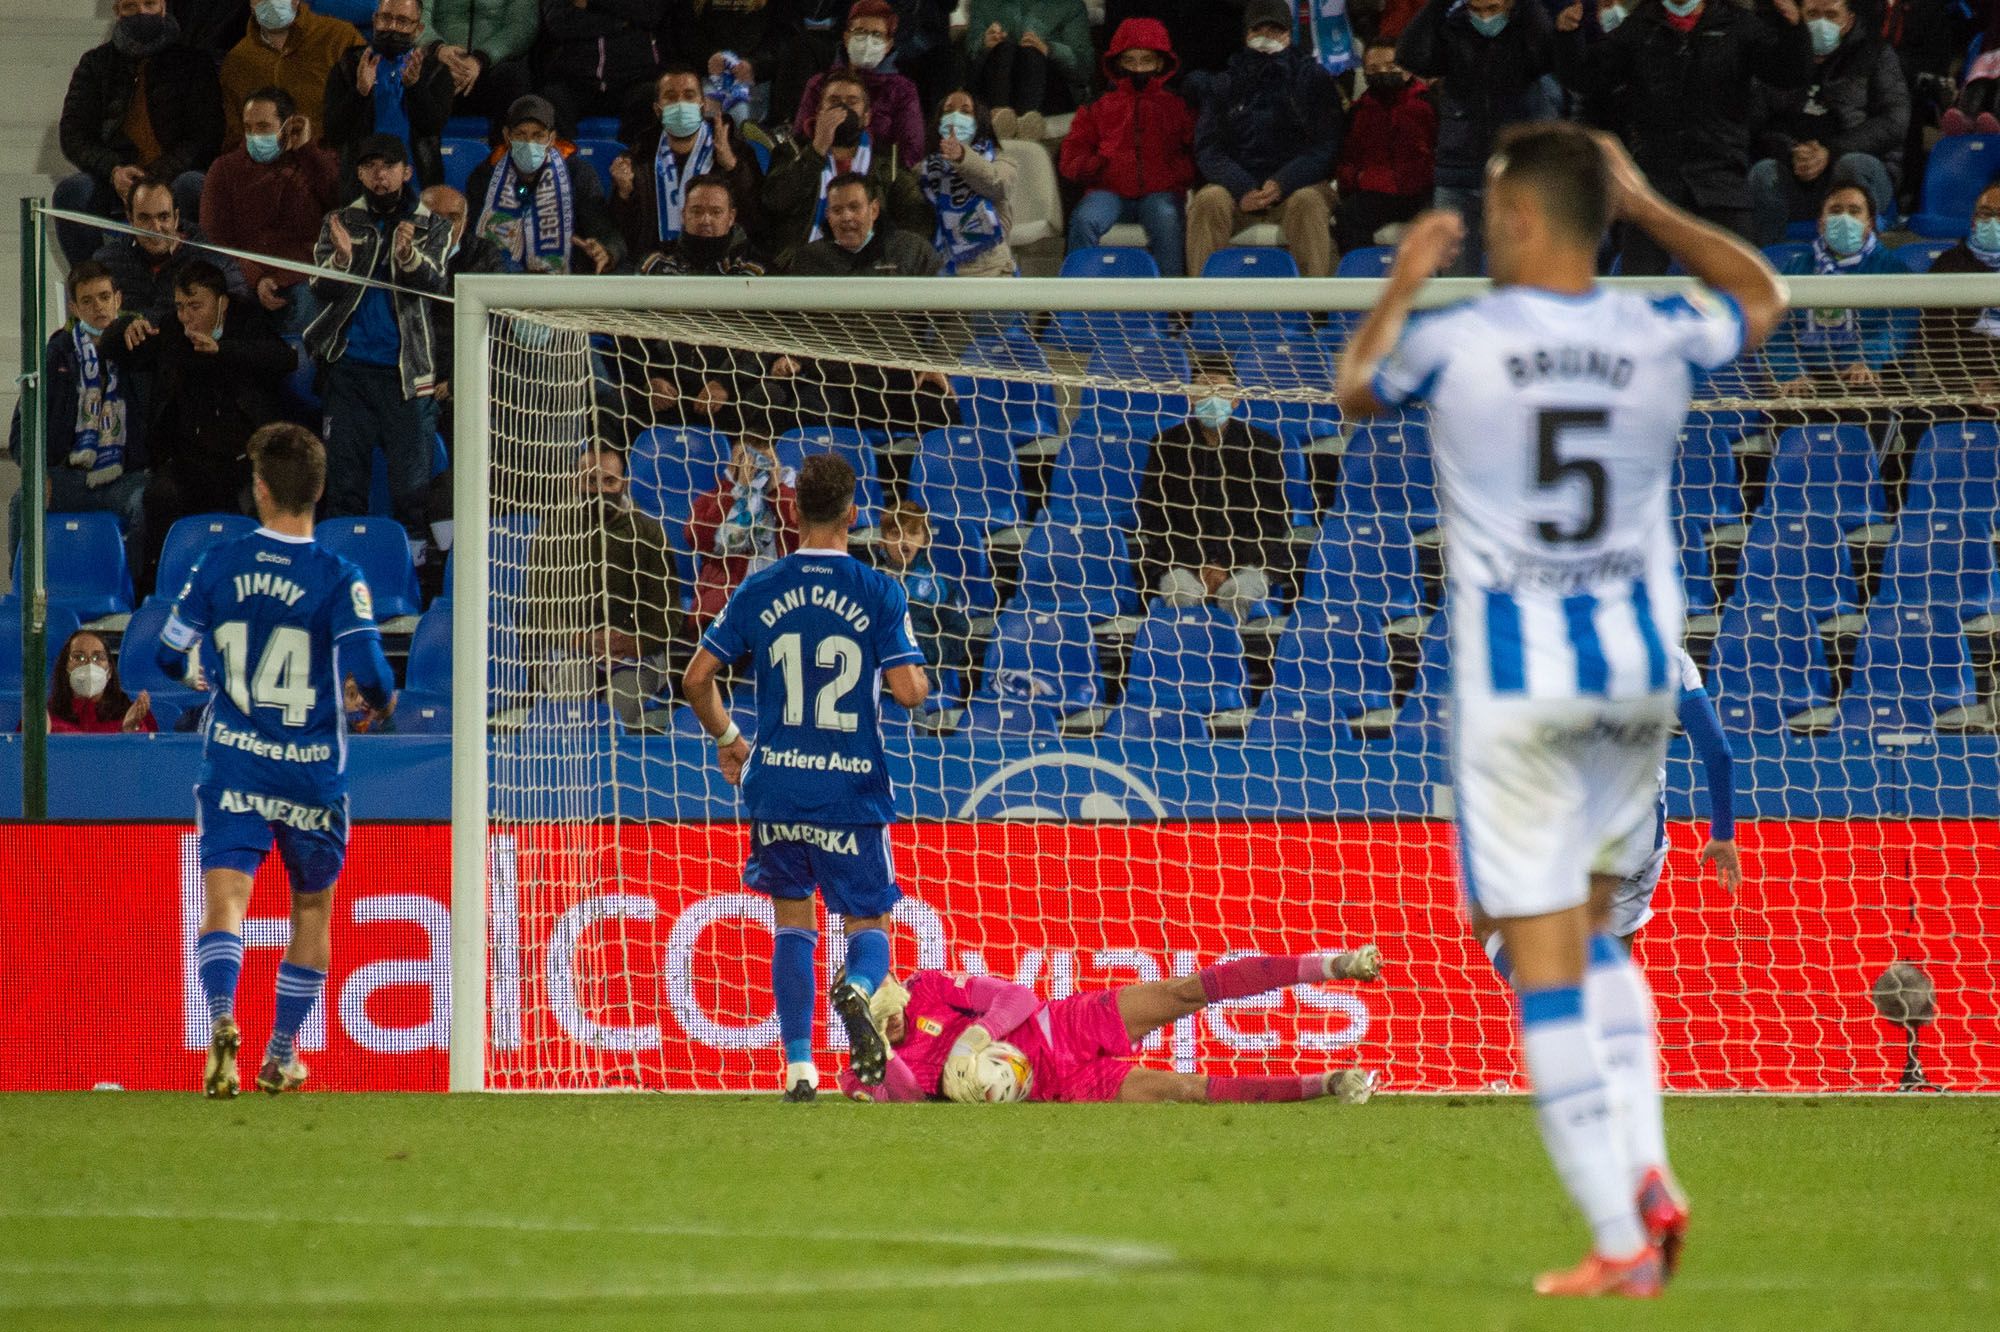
<point>1003,1074</point>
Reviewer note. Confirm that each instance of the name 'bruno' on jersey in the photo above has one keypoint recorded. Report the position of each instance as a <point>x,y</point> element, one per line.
<point>820,627</point>
<point>1554,421</point>
<point>268,615</point>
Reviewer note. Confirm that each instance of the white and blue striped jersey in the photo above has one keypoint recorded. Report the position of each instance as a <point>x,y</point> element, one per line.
<point>1554,421</point>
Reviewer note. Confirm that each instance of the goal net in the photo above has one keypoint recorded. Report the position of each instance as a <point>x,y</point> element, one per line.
<point>1191,655</point>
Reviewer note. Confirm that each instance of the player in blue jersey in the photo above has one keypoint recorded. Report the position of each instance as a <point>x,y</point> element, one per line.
<point>271,625</point>
<point>1556,405</point>
<point>823,632</point>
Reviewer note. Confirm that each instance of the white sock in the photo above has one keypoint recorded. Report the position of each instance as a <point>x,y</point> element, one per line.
<point>1620,1004</point>
<point>1579,1126</point>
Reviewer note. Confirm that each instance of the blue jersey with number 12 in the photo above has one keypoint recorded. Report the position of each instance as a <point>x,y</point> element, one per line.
<point>820,628</point>
<point>270,616</point>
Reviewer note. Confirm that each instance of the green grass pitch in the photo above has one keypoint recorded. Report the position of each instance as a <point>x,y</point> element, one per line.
<point>133,1211</point>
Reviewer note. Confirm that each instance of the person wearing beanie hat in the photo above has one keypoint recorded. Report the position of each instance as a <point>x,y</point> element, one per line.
<point>1266,144</point>
<point>393,85</point>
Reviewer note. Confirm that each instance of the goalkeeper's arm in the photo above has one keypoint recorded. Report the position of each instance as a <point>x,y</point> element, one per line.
<point>1711,746</point>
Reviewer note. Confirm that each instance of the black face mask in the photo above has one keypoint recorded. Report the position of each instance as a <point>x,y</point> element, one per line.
<point>392,45</point>
<point>1139,79</point>
<point>703,251</point>
<point>142,35</point>
<point>385,205</point>
<point>1387,85</point>
<point>849,133</point>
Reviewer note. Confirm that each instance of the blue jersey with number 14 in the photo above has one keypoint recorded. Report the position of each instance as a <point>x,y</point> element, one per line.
<point>270,616</point>
<point>820,628</point>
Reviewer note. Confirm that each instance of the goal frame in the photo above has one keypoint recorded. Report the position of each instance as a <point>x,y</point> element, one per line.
<point>478,297</point>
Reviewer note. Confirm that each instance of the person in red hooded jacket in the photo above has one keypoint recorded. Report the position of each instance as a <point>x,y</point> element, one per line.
<point>1389,154</point>
<point>1132,149</point>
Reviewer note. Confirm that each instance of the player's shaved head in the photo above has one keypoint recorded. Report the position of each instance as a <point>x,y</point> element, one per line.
<point>1561,164</point>
<point>291,462</point>
<point>825,490</point>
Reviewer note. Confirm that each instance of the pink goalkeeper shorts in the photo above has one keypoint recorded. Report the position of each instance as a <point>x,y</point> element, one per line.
<point>1078,1048</point>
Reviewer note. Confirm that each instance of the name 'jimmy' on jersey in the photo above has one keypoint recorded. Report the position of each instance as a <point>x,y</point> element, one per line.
<point>820,628</point>
<point>1554,421</point>
<point>268,615</point>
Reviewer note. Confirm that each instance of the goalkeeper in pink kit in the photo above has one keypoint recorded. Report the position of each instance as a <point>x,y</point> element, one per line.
<point>1082,1048</point>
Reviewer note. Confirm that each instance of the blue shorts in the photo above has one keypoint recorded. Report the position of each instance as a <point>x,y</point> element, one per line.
<point>848,862</point>
<point>236,829</point>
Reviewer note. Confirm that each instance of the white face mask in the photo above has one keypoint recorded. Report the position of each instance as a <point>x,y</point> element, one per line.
<point>1267,45</point>
<point>89,681</point>
<point>866,50</point>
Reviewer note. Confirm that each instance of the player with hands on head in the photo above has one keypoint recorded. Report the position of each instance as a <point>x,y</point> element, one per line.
<point>1556,406</point>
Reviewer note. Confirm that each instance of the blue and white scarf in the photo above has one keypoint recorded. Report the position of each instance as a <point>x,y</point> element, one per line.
<point>728,93</point>
<point>750,526</point>
<point>968,225</point>
<point>535,231</point>
<point>1332,38</point>
<point>98,449</point>
<point>390,115</point>
<point>1827,327</point>
<point>670,179</point>
<point>863,155</point>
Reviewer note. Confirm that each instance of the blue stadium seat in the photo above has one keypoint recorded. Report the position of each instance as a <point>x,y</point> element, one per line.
<point>1829,470</point>
<point>1959,168</point>
<point>429,669</point>
<point>1943,559</point>
<point>1956,469</point>
<point>507,571</point>
<point>1784,251</point>
<point>1367,562</point>
<point>1797,559</point>
<point>423,714</point>
<point>597,154</point>
<point>1918,256</point>
<point>1305,366</point>
<point>1332,662</point>
<point>1706,487</point>
<point>1386,472</point>
<point>1125,413</point>
<point>61,623</point>
<point>380,548</point>
<point>1187,660</point>
<point>1421,719</point>
<point>597,127</point>
<point>462,157</point>
<point>467,127</point>
<point>1911,672</point>
<point>138,670</point>
<point>1009,717</point>
<point>1087,330</point>
<point>1096,479</point>
<point>581,723</point>
<point>670,468</point>
<point>1370,261</point>
<point>1069,562</point>
<point>1697,577</point>
<point>1220,331</point>
<point>968,477</point>
<point>959,554</point>
<point>1047,657</point>
<point>1768,667</point>
<point>187,540</point>
<point>853,445</point>
<point>1023,409</point>
<point>1155,725</point>
<point>380,503</point>
<point>86,572</point>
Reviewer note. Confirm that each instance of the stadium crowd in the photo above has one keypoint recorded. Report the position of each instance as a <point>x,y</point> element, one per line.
<point>397,144</point>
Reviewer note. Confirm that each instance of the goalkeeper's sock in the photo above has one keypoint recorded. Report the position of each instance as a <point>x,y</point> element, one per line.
<point>1621,1013</point>
<point>1579,1128</point>
<point>793,983</point>
<point>219,961</point>
<point>1286,1087</point>
<point>298,990</point>
<point>1256,975</point>
<point>867,959</point>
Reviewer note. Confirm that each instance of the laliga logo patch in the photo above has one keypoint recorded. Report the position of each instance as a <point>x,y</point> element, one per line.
<point>364,605</point>
<point>930,1026</point>
<point>1079,787</point>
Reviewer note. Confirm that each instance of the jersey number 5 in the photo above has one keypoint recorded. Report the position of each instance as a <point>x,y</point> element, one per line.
<point>283,673</point>
<point>1552,469</point>
<point>835,653</point>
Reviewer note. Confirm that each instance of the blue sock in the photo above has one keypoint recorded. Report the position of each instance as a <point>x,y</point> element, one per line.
<point>219,961</point>
<point>868,958</point>
<point>793,984</point>
<point>298,988</point>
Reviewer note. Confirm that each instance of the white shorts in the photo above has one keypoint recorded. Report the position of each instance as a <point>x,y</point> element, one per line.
<point>1632,901</point>
<point>1551,792</point>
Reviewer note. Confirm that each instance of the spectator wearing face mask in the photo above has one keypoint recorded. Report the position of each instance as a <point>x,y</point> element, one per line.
<point>1826,352</point>
<point>1028,57</point>
<point>1213,519</point>
<point>690,138</point>
<point>1845,127</point>
<point>795,192</point>
<point>85,697</point>
<point>600,59</point>
<point>544,212</point>
<point>746,523</point>
<point>391,86</point>
<point>142,104</point>
<point>374,345</point>
<point>1387,158</point>
<point>895,115</point>
<point>1266,144</point>
<point>290,48</point>
<point>266,196</point>
<point>1488,60</point>
<point>1132,150</point>
<point>1961,346</point>
<point>970,186</point>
